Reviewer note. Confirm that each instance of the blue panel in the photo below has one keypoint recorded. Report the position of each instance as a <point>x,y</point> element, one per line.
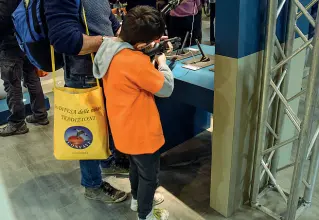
<point>4,111</point>
<point>227,27</point>
<point>239,27</point>
<point>180,121</point>
<point>241,24</point>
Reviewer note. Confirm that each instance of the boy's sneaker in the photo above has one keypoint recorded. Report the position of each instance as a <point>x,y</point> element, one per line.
<point>116,168</point>
<point>157,214</point>
<point>106,193</point>
<point>14,129</point>
<point>33,120</point>
<point>158,199</point>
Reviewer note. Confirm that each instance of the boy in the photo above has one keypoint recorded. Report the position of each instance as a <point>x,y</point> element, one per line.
<point>130,82</point>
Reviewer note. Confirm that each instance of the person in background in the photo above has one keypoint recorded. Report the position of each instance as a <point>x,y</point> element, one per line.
<point>129,75</point>
<point>66,33</point>
<point>15,68</point>
<point>186,17</point>
<point>133,3</point>
<point>311,33</point>
<point>212,21</point>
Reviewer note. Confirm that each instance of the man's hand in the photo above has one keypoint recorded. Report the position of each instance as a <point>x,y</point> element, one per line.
<point>160,59</point>
<point>90,44</point>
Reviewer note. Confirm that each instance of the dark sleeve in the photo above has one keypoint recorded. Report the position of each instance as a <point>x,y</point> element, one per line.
<point>313,13</point>
<point>7,7</point>
<point>115,23</point>
<point>65,27</point>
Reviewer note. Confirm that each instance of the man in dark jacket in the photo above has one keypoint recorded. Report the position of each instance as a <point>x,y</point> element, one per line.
<point>66,32</point>
<point>15,67</point>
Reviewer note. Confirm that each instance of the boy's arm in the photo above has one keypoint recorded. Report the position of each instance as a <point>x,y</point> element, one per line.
<point>158,82</point>
<point>168,86</point>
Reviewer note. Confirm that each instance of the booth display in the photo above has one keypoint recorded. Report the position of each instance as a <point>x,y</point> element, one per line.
<point>188,111</point>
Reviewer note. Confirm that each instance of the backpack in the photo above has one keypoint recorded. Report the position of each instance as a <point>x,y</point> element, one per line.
<point>32,34</point>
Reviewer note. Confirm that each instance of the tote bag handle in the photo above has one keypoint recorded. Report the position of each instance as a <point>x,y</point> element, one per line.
<point>53,57</point>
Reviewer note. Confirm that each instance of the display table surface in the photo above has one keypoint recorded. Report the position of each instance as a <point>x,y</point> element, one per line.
<point>188,111</point>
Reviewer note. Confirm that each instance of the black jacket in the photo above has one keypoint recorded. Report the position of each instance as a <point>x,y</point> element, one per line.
<point>7,7</point>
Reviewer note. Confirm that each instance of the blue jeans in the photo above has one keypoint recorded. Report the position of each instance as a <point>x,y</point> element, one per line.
<point>90,169</point>
<point>91,176</point>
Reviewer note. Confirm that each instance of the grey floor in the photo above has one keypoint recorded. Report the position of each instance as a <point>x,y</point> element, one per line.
<point>39,187</point>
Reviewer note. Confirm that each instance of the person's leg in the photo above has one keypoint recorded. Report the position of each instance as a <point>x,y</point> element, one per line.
<point>197,27</point>
<point>134,183</point>
<point>11,74</point>
<point>33,84</point>
<point>212,23</point>
<point>91,177</point>
<point>117,163</point>
<point>95,188</point>
<point>147,166</point>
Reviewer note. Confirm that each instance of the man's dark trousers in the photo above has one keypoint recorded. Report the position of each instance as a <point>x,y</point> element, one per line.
<point>15,68</point>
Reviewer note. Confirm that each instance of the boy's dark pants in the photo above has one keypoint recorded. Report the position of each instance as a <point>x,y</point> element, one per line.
<point>144,171</point>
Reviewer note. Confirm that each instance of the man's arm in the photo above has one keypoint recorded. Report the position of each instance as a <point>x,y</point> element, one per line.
<point>90,44</point>
<point>66,30</point>
<point>116,26</point>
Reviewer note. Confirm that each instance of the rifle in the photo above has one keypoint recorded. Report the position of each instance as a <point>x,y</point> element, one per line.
<point>162,47</point>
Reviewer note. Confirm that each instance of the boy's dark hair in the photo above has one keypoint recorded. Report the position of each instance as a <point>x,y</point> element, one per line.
<point>142,24</point>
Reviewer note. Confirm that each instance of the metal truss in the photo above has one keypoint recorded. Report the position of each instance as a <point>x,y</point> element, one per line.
<point>274,105</point>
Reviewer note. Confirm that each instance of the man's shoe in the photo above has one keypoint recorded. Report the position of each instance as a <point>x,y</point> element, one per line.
<point>33,120</point>
<point>157,214</point>
<point>158,199</point>
<point>14,129</point>
<point>106,193</point>
<point>116,168</point>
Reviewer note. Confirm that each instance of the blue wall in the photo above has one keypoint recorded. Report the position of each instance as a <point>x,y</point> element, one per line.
<point>240,26</point>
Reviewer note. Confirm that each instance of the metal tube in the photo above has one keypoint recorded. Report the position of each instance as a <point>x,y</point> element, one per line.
<point>313,170</point>
<point>305,12</point>
<point>303,37</point>
<point>284,101</point>
<point>272,131</point>
<point>279,145</point>
<point>293,120</point>
<point>280,7</point>
<point>282,77</point>
<point>297,95</point>
<point>285,167</point>
<point>274,181</point>
<point>295,53</point>
<point>307,185</point>
<point>307,8</point>
<point>313,85</point>
<point>267,164</point>
<point>263,110</point>
<point>312,143</point>
<point>282,52</point>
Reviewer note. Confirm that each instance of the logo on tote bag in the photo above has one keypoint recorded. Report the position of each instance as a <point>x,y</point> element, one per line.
<point>78,137</point>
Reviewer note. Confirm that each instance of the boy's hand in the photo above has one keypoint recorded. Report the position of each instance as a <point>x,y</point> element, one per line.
<point>161,59</point>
